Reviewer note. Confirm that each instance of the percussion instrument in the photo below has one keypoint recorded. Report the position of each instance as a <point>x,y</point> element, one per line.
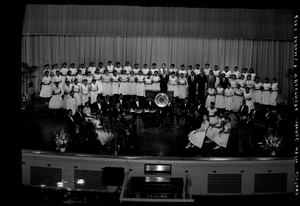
<point>161,100</point>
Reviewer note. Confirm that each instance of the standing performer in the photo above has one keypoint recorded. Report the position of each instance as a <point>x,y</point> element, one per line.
<point>127,67</point>
<point>106,82</point>
<point>236,72</point>
<point>85,91</point>
<point>248,98</point>
<point>82,69</point>
<point>265,100</point>
<point>173,69</point>
<point>98,77</point>
<point>257,91</point>
<point>192,82</point>
<point>220,100</point>
<point>123,89</point>
<point>145,70</point>
<point>118,68</point>
<point>197,69</point>
<point>140,85</point>
<point>115,84</point>
<point>148,82</point>
<point>67,88</point>
<point>237,99</point>
<point>211,96</point>
<point>182,86</point>
<point>228,93</point>
<point>156,81</point>
<point>93,91</point>
<point>202,85</point>
<point>136,69</point>
<point>56,101</point>
<point>217,74</point>
<point>77,93</point>
<point>173,85</point>
<point>46,91</point>
<point>132,84</point>
<point>164,80</point>
<point>274,93</point>
<point>63,71</point>
<point>92,68</point>
<point>79,78</point>
<point>110,67</point>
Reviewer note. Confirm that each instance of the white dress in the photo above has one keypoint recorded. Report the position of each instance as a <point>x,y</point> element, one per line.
<point>216,129</point>
<point>67,90</point>
<point>182,72</point>
<point>197,72</point>
<point>94,92</point>
<point>265,95</point>
<point>217,75</point>
<point>212,117</point>
<point>211,97</point>
<point>197,136</point>
<point>222,139</point>
<point>250,84</point>
<point>274,94</point>
<point>228,93</point>
<point>77,94</point>
<point>115,84</point>
<point>220,100</point>
<point>148,83</point>
<point>227,74</point>
<point>63,72</point>
<point>92,70</point>
<point>237,74</point>
<point>182,88</point>
<point>46,90</point>
<point>82,70</point>
<point>56,101</point>
<point>173,86</point>
<point>136,71</point>
<point>79,78</point>
<point>206,71</point>
<point>257,93</point>
<point>58,79</point>
<point>71,104</point>
<point>173,70</point>
<point>123,89</point>
<point>110,68</point>
<point>233,83</point>
<point>145,71</point>
<point>131,85</point>
<point>97,77</point>
<point>85,93</point>
<point>118,69</point>
<point>155,84</point>
<point>242,82</point>
<point>140,86</point>
<point>106,82</point>
<point>128,69</point>
<point>237,99</point>
<point>249,103</point>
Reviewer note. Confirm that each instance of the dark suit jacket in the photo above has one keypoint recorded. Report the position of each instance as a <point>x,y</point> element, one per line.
<point>200,108</point>
<point>224,83</point>
<point>71,125</point>
<point>170,108</point>
<point>150,107</point>
<point>134,105</point>
<point>123,105</point>
<point>255,114</point>
<point>243,111</point>
<point>106,107</point>
<point>164,82</point>
<point>185,106</point>
<point>211,81</point>
<point>95,108</point>
<point>79,119</point>
<point>192,85</point>
<point>117,111</point>
<point>201,80</point>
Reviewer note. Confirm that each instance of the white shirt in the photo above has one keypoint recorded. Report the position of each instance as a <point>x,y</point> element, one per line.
<point>92,70</point>
<point>237,74</point>
<point>127,69</point>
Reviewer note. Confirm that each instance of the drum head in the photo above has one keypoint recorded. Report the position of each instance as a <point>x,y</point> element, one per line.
<point>161,100</point>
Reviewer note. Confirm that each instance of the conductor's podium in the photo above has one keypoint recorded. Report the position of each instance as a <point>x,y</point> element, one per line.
<point>156,188</point>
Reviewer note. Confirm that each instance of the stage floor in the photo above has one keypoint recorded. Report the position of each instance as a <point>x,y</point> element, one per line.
<point>38,127</point>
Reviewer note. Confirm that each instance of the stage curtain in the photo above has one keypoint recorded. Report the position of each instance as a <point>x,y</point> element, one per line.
<point>269,58</point>
<point>137,21</point>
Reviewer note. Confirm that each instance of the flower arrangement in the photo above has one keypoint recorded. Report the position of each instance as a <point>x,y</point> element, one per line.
<point>26,100</point>
<point>62,139</point>
<point>271,142</point>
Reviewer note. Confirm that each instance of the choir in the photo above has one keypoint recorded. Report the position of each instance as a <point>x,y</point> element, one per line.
<point>225,88</point>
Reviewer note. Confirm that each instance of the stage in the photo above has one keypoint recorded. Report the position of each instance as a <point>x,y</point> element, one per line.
<point>38,127</point>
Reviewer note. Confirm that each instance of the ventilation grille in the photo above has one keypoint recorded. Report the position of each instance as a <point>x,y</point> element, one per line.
<point>88,179</point>
<point>48,177</point>
<point>224,183</point>
<point>270,183</point>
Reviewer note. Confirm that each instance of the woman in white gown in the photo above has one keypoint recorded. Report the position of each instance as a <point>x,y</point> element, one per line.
<point>274,92</point>
<point>56,101</point>
<point>173,84</point>
<point>77,94</point>
<point>248,98</point>
<point>197,136</point>
<point>94,91</point>
<point>46,87</point>
<point>67,88</point>
<point>140,84</point>
<point>221,137</point>
<point>211,96</point>
<point>215,128</point>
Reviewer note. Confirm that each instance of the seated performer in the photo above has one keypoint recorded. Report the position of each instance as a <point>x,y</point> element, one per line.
<point>167,112</point>
<point>197,136</point>
<point>150,116</point>
<point>136,108</point>
<point>124,130</point>
<point>221,137</point>
<point>183,112</point>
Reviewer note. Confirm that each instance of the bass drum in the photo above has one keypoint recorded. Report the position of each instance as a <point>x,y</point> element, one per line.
<point>234,119</point>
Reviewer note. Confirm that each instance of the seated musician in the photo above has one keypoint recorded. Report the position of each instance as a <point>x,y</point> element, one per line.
<point>97,106</point>
<point>255,114</point>
<point>124,129</point>
<point>117,110</point>
<point>183,112</point>
<point>122,101</point>
<point>279,125</point>
<point>243,111</point>
<point>149,115</point>
<point>167,112</point>
<point>107,106</point>
<point>136,108</point>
